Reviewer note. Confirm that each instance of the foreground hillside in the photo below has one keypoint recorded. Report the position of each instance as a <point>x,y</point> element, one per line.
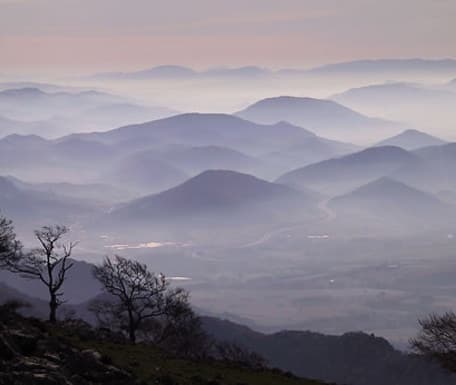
<point>353,358</point>
<point>33,352</point>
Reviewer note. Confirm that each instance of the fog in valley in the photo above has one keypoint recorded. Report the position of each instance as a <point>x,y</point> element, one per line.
<point>316,199</point>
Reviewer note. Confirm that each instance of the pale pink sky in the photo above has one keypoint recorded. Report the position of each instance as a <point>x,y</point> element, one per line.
<point>94,35</point>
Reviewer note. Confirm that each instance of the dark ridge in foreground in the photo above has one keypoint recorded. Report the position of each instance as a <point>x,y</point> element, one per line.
<point>353,358</point>
<point>33,352</point>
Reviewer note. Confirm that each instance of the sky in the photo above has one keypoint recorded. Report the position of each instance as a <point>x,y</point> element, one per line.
<point>95,35</point>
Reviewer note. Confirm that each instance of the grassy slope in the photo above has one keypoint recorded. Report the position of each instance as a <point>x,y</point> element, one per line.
<point>153,366</point>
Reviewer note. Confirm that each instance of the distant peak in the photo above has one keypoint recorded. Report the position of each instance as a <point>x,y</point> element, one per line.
<point>23,91</point>
<point>413,131</point>
<point>19,137</point>
<point>288,99</point>
<point>209,174</point>
<point>411,139</point>
<point>384,149</point>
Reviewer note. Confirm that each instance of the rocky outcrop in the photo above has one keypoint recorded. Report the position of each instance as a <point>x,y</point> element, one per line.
<point>31,355</point>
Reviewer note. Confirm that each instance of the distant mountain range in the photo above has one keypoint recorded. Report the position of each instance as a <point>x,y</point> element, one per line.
<point>159,160</point>
<point>428,107</point>
<point>179,72</point>
<point>33,111</point>
<point>412,140</point>
<point>324,117</point>
<point>357,67</point>
<point>393,92</point>
<point>197,129</point>
<point>46,87</point>
<point>212,132</point>
<point>348,172</point>
<point>186,143</point>
<point>388,67</point>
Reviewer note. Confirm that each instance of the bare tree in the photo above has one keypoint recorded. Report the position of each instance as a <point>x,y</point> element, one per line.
<point>10,247</point>
<point>49,263</point>
<point>229,351</point>
<point>139,295</point>
<point>437,339</point>
<point>180,331</point>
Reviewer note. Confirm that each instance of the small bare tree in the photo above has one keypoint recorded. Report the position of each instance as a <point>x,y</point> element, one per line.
<point>139,295</point>
<point>437,339</point>
<point>229,351</point>
<point>10,247</point>
<point>49,263</point>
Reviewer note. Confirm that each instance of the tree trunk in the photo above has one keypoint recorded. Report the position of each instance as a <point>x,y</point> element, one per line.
<point>132,335</point>
<point>53,309</point>
<point>131,327</point>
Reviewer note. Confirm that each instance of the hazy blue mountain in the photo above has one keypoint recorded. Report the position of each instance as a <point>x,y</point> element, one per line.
<point>434,172</point>
<point>70,159</point>
<point>30,208</point>
<point>389,66</point>
<point>358,67</point>
<point>22,150</point>
<point>168,72</point>
<point>445,153</point>
<point>240,72</point>
<point>159,72</point>
<point>75,292</point>
<point>419,105</point>
<point>100,194</point>
<point>388,198</point>
<point>190,142</point>
<point>45,87</point>
<point>345,173</point>
<point>425,107</point>
<point>24,141</point>
<point>11,127</point>
<point>144,172</point>
<point>220,192</point>
<point>280,146</point>
<point>194,160</point>
<point>393,92</point>
<point>78,150</point>
<point>53,114</point>
<point>35,95</point>
<point>324,117</point>
<point>312,150</point>
<point>411,140</point>
<point>195,129</point>
<point>119,114</point>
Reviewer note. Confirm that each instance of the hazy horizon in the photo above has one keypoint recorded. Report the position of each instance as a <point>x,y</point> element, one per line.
<point>81,37</point>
